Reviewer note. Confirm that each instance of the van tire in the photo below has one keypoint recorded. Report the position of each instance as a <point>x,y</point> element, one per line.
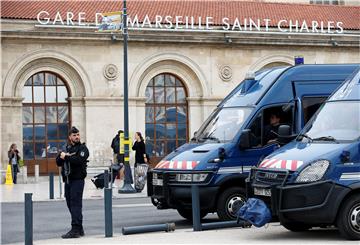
<point>234,196</point>
<point>296,226</point>
<point>187,213</point>
<point>348,220</point>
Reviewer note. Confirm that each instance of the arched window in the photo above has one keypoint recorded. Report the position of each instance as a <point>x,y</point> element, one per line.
<point>166,115</point>
<point>46,120</point>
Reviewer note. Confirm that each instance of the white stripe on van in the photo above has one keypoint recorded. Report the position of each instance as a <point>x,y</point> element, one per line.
<point>350,176</point>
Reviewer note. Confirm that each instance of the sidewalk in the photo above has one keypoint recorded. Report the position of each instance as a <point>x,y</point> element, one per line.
<point>40,190</point>
<point>274,234</point>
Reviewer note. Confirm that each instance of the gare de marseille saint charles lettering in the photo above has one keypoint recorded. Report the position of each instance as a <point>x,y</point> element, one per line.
<point>197,23</point>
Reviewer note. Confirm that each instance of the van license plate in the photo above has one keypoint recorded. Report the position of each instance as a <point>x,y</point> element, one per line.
<point>157,182</point>
<point>262,192</point>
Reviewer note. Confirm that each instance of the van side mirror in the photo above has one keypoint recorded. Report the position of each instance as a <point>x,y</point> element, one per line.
<point>221,153</point>
<point>245,139</point>
<point>284,131</point>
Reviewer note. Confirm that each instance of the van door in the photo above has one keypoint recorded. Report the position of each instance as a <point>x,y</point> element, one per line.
<point>309,96</point>
<point>263,144</point>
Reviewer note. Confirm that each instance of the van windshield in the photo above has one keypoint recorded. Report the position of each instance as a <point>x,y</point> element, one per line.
<point>337,121</point>
<point>223,124</point>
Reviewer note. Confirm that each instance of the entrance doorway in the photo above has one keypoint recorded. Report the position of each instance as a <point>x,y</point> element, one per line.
<point>46,120</point>
<point>166,116</point>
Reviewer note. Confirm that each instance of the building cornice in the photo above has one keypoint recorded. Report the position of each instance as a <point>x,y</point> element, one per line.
<point>32,31</point>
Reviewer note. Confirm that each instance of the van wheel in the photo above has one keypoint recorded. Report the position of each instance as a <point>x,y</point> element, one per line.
<point>229,203</point>
<point>187,213</point>
<point>348,221</point>
<point>295,226</point>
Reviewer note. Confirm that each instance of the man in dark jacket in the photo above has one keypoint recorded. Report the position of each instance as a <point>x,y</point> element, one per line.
<point>271,130</point>
<point>115,145</point>
<point>74,162</point>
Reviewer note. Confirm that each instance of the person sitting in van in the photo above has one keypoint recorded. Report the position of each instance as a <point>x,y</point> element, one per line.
<point>271,130</point>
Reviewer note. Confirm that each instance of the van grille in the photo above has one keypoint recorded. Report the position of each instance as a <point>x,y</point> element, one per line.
<point>269,177</point>
<point>171,176</point>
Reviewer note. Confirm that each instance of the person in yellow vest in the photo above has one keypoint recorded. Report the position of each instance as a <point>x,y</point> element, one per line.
<point>14,158</point>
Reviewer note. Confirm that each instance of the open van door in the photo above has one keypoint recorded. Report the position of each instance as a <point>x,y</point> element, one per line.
<point>309,96</point>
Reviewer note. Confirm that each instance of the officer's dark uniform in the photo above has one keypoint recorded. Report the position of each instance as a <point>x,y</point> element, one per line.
<point>74,184</point>
<point>270,133</point>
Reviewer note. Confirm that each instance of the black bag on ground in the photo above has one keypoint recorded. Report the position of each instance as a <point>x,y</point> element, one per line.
<point>98,180</point>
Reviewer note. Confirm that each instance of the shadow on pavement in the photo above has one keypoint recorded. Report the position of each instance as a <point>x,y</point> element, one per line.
<point>316,234</point>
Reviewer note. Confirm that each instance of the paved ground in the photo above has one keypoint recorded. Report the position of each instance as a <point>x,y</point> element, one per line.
<point>51,219</point>
<point>274,234</point>
<point>40,190</point>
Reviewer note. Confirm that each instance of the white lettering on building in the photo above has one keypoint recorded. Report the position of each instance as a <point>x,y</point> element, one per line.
<point>179,22</point>
<point>41,19</point>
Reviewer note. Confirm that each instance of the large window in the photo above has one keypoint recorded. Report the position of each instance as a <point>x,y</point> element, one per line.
<point>46,116</point>
<point>166,115</point>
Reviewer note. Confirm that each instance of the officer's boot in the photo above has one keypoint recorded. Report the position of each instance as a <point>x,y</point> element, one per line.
<point>81,232</point>
<point>73,233</point>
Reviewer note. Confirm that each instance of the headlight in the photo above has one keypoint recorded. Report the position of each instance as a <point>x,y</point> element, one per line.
<point>191,177</point>
<point>313,172</point>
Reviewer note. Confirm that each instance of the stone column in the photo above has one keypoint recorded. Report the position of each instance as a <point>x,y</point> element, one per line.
<point>103,119</point>
<point>11,126</point>
<point>196,114</point>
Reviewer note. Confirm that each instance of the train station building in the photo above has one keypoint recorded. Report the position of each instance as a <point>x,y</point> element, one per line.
<point>184,57</point>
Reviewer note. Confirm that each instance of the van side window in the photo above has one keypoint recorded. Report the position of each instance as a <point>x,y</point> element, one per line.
<point>311,105</point>
<point>265,126</point>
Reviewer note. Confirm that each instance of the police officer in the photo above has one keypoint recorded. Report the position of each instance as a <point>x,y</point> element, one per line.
<point>271,130</point>
<point>74,162</point>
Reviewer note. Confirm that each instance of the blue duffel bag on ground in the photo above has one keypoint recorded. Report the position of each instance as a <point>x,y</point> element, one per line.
<point>255,212</point>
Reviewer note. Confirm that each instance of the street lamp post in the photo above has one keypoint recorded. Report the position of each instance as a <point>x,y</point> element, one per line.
<point>127,187</point>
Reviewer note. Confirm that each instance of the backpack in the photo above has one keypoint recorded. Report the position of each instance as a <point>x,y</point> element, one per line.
<point>255,211</point>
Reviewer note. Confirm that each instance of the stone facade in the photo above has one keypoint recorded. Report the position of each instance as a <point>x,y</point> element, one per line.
<point>208,64</point>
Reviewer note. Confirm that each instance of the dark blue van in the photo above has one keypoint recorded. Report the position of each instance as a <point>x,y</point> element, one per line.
<point>238,134</point>
<point>314,181</point>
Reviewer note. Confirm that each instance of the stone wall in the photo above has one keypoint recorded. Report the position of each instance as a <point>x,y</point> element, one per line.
<point>92,67</point>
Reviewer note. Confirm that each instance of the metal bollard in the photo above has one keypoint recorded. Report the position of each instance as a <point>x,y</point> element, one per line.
<point>195,207</point>
<point>106,178</point>
<point>51,185</point>
<point>24,172</point>
<point>148,228</point>
<point>28,219</point>
<point>36,173</point>
<point>108,212</point>
<point>224,224</point>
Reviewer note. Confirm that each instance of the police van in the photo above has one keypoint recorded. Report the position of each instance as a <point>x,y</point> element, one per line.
<point>314,181</point>
<point>233,138</point>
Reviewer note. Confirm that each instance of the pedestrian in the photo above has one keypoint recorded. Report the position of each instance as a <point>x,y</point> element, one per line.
<point>74,162</point>
<point>118,159</point>
<point>141,160</point>
<point>115,145</point>
<point>14,158</point>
